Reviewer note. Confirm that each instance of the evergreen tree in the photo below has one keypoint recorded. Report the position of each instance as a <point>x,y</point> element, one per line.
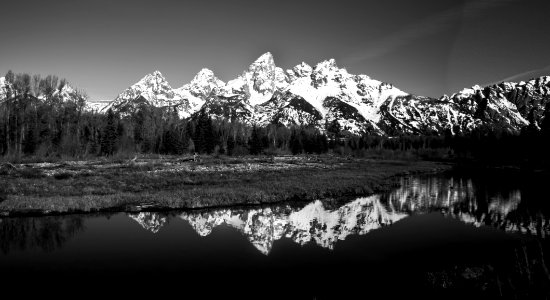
<point>545,124</point>
<point>10,76</point>
<point>204,135</point>
<point>295,144</point>
<point>109,135</point>
<point>255,142</point>
<point>31,139</point>
<point>230,144</point>
<point>172,142</point>
<point>209,136</point>
<point>334,128</point>
<point>321,143</point>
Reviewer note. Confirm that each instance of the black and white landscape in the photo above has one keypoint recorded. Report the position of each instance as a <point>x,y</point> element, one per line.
<point>289,149</point>
<point>324,94</point>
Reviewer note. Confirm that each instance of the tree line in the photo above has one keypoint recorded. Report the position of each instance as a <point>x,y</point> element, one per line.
<point>35,120</point>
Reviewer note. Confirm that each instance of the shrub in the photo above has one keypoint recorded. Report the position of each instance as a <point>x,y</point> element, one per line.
<point>3,194</point>
<point>63,175</point>
<point>31,173</point>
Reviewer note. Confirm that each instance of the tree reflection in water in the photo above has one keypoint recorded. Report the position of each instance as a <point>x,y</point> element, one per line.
<point>520,270</point>
<point>46,233</point>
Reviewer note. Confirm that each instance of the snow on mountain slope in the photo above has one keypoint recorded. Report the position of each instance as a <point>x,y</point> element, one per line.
<point>508,103</point>
<point>4,85</point>
<point>96,106</point>
<point>326,94</point>
<point>507,106</point>
<point>153,89</point>
<point>258,84</point>
<point>204,83</point>
<point>288,109</point>
<point>194,94</point>
<point>352,100</point>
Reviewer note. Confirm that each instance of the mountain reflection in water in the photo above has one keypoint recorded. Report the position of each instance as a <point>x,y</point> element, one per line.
<point>364,241</point>
<point>504,206</point>
<point>325,226</point>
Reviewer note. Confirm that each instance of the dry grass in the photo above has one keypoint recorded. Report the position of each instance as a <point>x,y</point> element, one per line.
<point>172,182</point>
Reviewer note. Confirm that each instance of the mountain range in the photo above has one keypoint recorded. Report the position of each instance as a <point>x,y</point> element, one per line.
<point>324,95</point>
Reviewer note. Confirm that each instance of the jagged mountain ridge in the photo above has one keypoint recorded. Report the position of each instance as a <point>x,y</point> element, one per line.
<point>264,94</point>
<point>530,98</point>
<point>153,89</point>
<point>325,93</point>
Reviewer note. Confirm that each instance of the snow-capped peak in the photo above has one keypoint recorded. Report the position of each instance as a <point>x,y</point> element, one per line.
<point>259,82</point>
<point>264,59</point>
<point>329,64</point>
<point>154,88</point>
<point>204,83</point>
<point>154,81</point>
<point>204,73</point>
<point>301,70</point>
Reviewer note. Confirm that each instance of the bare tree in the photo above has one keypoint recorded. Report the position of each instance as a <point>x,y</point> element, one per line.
<point>22,83</point>
<point>35,85</point>
<point>48,85</point>
<point>62,84</point>
<point>10,77</point>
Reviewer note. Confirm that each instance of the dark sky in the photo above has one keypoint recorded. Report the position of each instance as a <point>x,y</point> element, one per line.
<point>426,47</point>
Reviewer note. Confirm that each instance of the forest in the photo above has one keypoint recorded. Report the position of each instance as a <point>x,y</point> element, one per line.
<point>37,124</point>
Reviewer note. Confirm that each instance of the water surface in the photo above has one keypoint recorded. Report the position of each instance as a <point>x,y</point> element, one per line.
<point>441,234</point>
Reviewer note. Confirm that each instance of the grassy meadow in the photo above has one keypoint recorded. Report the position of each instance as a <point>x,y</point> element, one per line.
<point>176,182</point>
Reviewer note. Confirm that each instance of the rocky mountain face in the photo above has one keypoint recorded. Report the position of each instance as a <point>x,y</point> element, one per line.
<point>508,102</point>
<point>507,106</point>
<point>96,106</point>
<point>154,90</point>
<point>326,95</point>
<point>265,93</point>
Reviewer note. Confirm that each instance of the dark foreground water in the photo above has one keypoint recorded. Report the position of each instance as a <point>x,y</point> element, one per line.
<point>445,235</point>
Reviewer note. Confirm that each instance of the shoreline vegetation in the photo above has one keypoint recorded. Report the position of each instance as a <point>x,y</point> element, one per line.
<point>57,156</point>
<point>178,182</point>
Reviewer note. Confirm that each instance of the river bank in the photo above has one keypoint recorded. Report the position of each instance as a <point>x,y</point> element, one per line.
<point>181,183</point>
